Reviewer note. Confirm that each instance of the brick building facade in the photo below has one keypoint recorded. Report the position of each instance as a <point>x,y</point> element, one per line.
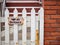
<point>52,22</point>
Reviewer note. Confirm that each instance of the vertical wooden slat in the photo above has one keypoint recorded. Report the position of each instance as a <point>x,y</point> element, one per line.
<point>15,28</point>
<point>36,22</point>
<point>41,14</point>
<point>24,28</point>
<point>6,27</point>
<point>37,31</point>
<point>33,27</point>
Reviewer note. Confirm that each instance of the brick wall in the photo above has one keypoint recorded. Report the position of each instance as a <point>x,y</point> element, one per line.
<point>52,22</point>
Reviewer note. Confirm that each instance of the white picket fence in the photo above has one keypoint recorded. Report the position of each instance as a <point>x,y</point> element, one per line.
<point>34,25</point>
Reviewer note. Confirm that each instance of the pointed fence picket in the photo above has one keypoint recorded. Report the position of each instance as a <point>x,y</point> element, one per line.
<point>24,28</point>
<point>33,30</point>
<point>41,15</point>
<point>6,27</point>
<point>15,28</point>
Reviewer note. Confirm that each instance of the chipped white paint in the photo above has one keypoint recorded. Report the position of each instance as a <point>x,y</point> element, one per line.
<point>6,27</point>
<point>41,15</point>
<point>24,29</point>
<point>15,28</point>
<point>33,27</point>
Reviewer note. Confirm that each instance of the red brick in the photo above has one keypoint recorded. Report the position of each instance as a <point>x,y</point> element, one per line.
<point>58,2</point>
<point>54,25</point>
<point>47,17</point>
<point>50,21</point>
<point>50,38</point>
<point>58,29</point>
<point>58,20</point>
<point>58,25</point>
<point>55,42</point>
<point>58,7</point>
<point>55,33</point>
<point>58,11</point>
<point>46,25</point>
<point>50,3</point>
<point>50,29</point>
<point>46,43</point>
<point>47,34</point>
<point>51,34</point>
<point>50,12</point>
<point>55,16</point>
<point>51,7</point>
<point>58,38</point>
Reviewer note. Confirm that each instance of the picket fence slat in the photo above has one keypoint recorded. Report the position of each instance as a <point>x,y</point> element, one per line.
<point>24,28</point>
<point>6,27</point>
<point>15,28</point>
